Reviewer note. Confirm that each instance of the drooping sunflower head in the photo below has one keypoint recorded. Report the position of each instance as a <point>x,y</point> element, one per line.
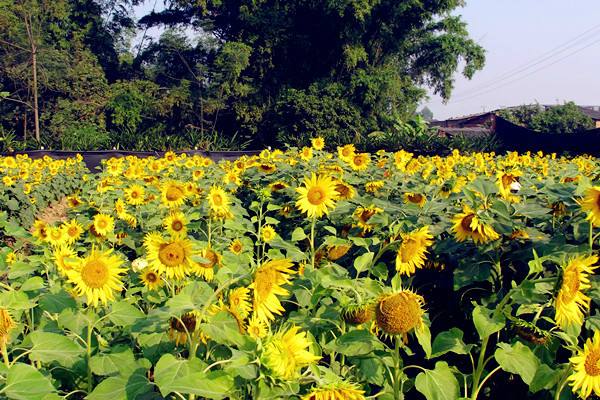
<point>267,285</point>
<point>336,390</point>
<point>415,198</point>
<point>357,314</point>
<point>151,279</point>
<point>97,276</point>
<point>181,328</point>
<point>239,302</point>
<point>171,257</point>
<point>206,269</point>
<point>64,258</point>
<point>287,352</point>
<point>103,224</point>
<point>412,251</point>
<point>571,302</point>
<point>345,191</point>
<point>336,252</point>
<point>591,204</point>
<point>364,214</point>
<point>6,325</point>
<point>176,224</point>
<point>467,225</point>
<point>316,196</point>
<point>173,194</point>
<point>399,313</point>
<point>373,186</point>
<point>585,378</point>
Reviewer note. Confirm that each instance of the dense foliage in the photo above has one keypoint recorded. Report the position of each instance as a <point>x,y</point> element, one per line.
<point>566,118</point>
<point>306,275</point>
<point>224,74</point>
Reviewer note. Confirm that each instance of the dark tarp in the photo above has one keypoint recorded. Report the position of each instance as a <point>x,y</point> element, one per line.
<point>93,158</point>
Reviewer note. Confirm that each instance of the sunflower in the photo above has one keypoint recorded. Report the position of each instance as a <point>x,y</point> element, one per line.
<point>346,152</point>
<point>268,233</point>
<point>317,143</point>
<point>360,162</point>
<point>6,325</point>
<point>257,329</point>
<point>40,230</point>
<point>176,224</point>
<point>412,251</point>
<point>306,153</point>
<point>239,302</point>
<point>135,194</point>
<point>345,190</point>
<point>415,198</point>
<point>399,313</point>
<point>236,247</point>
<point>278,186</point>
<point>591,204</point>
<point>170,257</point>
<point>219,201</point>
<point>181,328</point>
<point>508,185</point>
<point>571,302</point>
<point>266,167</point>
<point>151,279</point>
<point>206,269</point>
<point>364,214</point>
<point>357,314</point>
<point>173,194</point>
<point>267,285</point>
<point>335,391</point>
<point>287,352</point>
<point>73,231</point>
<point>56,236</point>
<point>468,225</point>
<point>97,276</point>
<point>585,378</point>
<point>316,196</point>
<point>103,224</point>
<point>373,186</point>
<point>336,252</point>
<point>64,258</point>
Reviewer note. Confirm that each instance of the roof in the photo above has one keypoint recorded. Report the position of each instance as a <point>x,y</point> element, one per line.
<point>466,131</point>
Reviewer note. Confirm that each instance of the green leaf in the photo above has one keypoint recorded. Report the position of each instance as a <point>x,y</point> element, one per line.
<point>223,328</point>
<point>57,302</point>
<point>49,347</point>
<point>449,341</point>
<point>127,387</point>
<point>24,382</point>
<point>124,314</point>
<point>119,360</point>
<point>517,359</point>
<point>545,378</point>
<point>487,321</point>
<point>187,377</point>
<point>363,261</point>
<point>192,295</point>
<point>298,234</point>
<point>424,339</point>
<point>438,384</point>
<point>32,284</point>
<point>354,343</point>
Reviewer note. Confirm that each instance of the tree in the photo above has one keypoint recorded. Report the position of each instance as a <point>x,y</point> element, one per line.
<point>367,58</point>
<point>427,114</point>
<point>566,118</point>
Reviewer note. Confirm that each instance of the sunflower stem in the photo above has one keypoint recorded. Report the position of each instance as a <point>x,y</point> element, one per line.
<point>312,241</point>
<point>4,352</point>
<point>480,366</point>
<point>398,367</point>
<point>591,236</point>
<point>88,343</point>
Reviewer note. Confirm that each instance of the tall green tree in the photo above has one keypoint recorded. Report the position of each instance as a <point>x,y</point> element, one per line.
<point>366,59</point>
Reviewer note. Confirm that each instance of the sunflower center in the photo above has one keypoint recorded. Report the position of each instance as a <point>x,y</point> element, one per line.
<point>174,193</point>
<point>187,323</point>
<point>366,215</point>
<point>415,198</point>
<point>72,231</point>
<point>134,195</point>
<point>399,313</point>
<point>592,363</point>
<point>217,199</point>
<point>212,258</point>
<point>95,274</point>
<point>570,285</point>
<point>316,196</point>
<point>408,250</point>
<point>151,277</point>
<point>102,223</point>
<point>507,179</point>
<point>177,226</point>
<point>358,160</point>
<point>466,223</point>
<point>171,254</point>
<point>342,190</point>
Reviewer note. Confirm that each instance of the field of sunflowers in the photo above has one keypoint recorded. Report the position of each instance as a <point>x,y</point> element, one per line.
<point>303,274</point>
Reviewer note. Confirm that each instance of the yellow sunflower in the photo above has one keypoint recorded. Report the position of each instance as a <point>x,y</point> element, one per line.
<point>399,313</point>
<point>6,325</point>
<point>468,225</point>
<point>412,251</point>
<point>151,279</point>
<point>306,153</point>
<point>415,198</point>
<point>173,194</point>
<point>373,186</point>
<point>176,224</point>
<point>317,143</point>
<point>364,214</point>
<point>64,258</point>
<point>97,276</point>
<point>268,233</point>
<point>73,231</point>
<point>346,152</point>
<point>316,196</point>
<point>335,391</point>
<point>571,302</point>
<point>239,302</point>
<point>40,230</point>
<point>171,257</point>
<point>345,190</point>
<point>585,378</point>
<point>360,162</point>
<point>56,236</point>
<point>287,352</point>
<point>236,247</point>
<point>206,270</point>
<point>104,224</point>
<point>267,285</point>
<point>219,201</point>
<point>135,194</point>
<point>591,204</point>
<point>257,329</point>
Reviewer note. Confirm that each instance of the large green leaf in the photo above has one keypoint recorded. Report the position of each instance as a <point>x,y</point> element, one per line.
<point>223,328</point>
<point>24,382</point>
<point>49,347</point>
<point>449,341</point>
<point>354,343</point>
<point>183,376</point>
<point>438,384</point>
<point>123,387</point>
<point>193,296</point>
<point>487,321</point>
<point>119,360</point>
<point>517,359</point>
<point>124,314</point>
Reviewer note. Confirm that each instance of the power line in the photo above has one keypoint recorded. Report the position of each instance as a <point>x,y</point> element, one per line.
<point>460,100</point>
<point>569,44</point>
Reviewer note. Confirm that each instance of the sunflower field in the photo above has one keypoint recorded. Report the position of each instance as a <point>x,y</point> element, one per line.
<point>303,274</point>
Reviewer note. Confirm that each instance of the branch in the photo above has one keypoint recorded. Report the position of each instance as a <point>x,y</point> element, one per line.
<point>14,45</point>
<point>16,101</point>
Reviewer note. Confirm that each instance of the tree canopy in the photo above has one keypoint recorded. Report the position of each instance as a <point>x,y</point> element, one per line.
<point>225,72</point>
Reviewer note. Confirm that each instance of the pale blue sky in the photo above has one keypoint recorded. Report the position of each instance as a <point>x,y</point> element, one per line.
<point>517,34</point>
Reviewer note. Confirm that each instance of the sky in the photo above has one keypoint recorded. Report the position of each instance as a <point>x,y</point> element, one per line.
<point>545,51</point>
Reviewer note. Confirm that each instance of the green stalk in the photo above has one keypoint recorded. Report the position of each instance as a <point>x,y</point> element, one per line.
<point>312,241</point>
<point>591,236</point>
<point>89,352</point>
<point>4,352</point>
<point>397,367</point>
<point>480,366</point>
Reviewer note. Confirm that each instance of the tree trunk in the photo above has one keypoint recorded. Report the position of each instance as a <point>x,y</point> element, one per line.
<point>32,42</point>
